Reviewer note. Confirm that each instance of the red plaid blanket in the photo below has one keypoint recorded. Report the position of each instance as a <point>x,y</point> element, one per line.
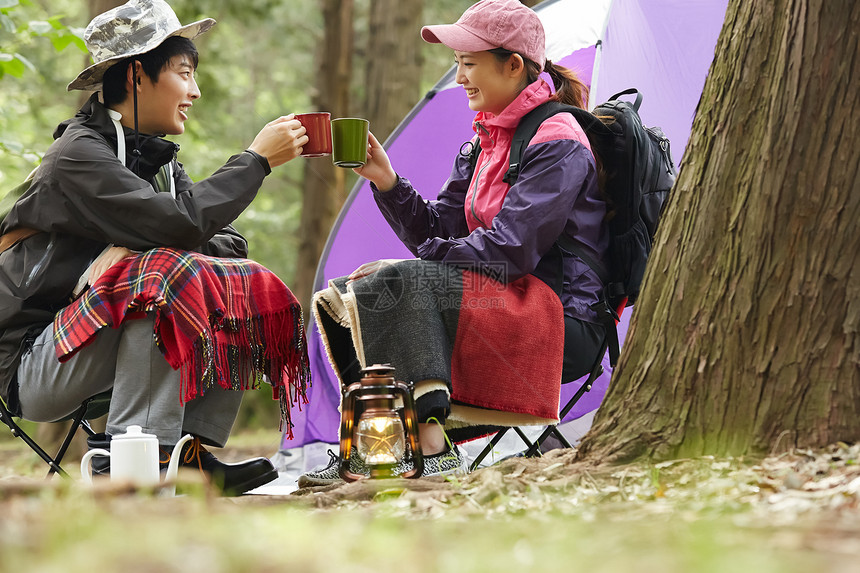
<point>230,321</point>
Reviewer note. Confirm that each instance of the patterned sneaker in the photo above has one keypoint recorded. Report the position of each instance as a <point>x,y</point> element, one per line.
<point>444,463</point>
<point>330,474</point>
<point>449,462</point>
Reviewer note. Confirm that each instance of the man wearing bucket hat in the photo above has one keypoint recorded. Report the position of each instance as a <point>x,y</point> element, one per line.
<point>108,186</point>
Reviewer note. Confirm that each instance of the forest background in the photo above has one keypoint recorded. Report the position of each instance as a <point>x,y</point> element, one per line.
<point>265,58</point>
<point>749,362</point>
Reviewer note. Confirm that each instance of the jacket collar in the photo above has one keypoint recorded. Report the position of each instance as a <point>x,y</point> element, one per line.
<point>153,152</point>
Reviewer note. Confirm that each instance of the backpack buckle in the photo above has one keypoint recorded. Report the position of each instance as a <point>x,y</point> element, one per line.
<point>605,313</point>
<point>511,174</point>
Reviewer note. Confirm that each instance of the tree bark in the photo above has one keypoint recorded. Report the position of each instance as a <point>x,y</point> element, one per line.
<point>394,63</point>
<point>745,338</point>
<point>324,190</point>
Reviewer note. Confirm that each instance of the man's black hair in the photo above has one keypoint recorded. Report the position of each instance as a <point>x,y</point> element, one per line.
<point>152,62</point>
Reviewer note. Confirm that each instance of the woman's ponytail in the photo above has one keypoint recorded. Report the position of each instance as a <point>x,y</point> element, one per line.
<point>569,89</point>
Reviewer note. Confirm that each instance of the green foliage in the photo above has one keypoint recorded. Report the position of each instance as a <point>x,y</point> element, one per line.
<point>255,65</point>
<point>34,46</point>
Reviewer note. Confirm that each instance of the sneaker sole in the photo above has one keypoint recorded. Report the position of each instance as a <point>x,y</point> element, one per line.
<point>460,471</point>
<point>305,481</point>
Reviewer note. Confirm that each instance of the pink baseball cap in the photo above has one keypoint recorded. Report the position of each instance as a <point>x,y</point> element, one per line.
<point>491,24</point>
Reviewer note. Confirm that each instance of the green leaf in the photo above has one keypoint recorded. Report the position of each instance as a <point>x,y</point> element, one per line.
<point>40,27</point>
<point>12,66</point>
<point>8,3</point>
<point>26,62</point>
<point>12,146</point>
<point>56,23</point>
<point>61,41</point>
<point>7,24</point>
<point>79,34</point>
<point>76,40</point>
<point>15,64</point>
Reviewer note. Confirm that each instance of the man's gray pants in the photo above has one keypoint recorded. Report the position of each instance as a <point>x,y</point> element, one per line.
<point>145,388</point>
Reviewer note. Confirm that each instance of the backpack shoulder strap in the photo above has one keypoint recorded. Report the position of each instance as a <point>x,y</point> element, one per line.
<point>14,237</point>
<point>573,248</point>
<point>529,124</point>
<point>526,129</point>
<point>474,152</point>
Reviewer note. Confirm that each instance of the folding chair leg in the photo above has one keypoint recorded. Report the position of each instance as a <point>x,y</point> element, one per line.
<point>55,467</point>
<point>85,426</point>
<point>586,387</point>
<point>77,422</point>
<point>523,437</point>
<point>560,437</point>
<point>487,449</point>
<point>534,448</point>
<point>19,433</point>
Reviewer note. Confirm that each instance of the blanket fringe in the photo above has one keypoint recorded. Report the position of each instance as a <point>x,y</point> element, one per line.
<point>239,354</point>
<point>225,321</point>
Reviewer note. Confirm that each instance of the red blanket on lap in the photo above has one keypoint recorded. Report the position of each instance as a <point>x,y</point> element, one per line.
<point>509,346</point>
<point>230,321</point>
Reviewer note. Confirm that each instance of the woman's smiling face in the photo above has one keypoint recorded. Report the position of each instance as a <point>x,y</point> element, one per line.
<point>491,85</point>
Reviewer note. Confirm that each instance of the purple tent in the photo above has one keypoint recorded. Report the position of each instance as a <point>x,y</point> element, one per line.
<point>662,47</point>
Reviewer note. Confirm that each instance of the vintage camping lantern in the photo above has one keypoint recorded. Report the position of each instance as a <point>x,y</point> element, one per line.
<point>379,432</point>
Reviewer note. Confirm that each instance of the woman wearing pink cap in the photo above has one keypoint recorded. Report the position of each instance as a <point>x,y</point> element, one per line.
<point>491,228</point>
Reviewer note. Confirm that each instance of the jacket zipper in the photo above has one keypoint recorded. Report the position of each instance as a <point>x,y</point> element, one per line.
<point>477,176</point>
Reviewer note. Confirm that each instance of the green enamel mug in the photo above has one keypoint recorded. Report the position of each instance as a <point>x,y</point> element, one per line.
<point>349,141</point>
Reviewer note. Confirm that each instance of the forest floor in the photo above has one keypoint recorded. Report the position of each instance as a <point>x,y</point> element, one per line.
<point>799,511</point>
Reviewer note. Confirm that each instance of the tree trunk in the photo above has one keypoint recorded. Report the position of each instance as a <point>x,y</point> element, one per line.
<point>394,63</point>
<point>745,339</point>
<point>323,190</point>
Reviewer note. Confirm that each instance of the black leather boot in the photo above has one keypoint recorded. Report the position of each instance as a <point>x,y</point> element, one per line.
<point>100,464</point>
<point>231,479</point>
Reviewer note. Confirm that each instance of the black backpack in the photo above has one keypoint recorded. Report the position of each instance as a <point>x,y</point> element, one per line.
<point>639,175</point>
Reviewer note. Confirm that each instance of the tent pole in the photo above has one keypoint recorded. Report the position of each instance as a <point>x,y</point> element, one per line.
<point>598,57</point>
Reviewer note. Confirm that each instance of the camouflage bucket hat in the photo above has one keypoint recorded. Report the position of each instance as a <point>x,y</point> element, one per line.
<point>136,27</point>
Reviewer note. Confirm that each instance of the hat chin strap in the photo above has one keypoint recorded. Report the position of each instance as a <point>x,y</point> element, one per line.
<point>115,116</point>
<point>136,151</point>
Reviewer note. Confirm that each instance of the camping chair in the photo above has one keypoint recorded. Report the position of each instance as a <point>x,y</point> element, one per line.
<point>90,409</point>
<point>610,342</point>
